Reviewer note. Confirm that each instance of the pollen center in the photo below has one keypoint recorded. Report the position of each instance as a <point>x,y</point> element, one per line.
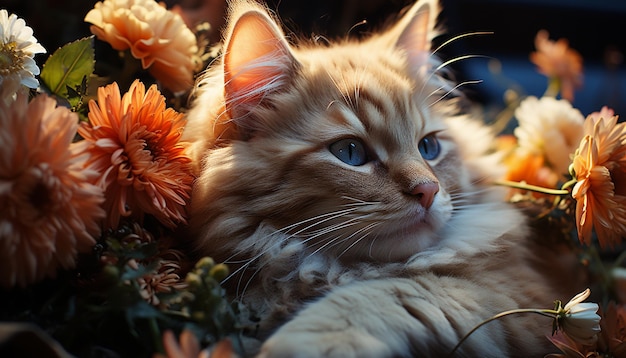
<point>10,58</point>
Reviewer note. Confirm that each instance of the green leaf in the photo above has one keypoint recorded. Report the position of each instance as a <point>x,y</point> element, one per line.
<point>68,68</point>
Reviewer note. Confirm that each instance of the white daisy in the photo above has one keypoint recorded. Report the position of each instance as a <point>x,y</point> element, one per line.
<point>17,48</point>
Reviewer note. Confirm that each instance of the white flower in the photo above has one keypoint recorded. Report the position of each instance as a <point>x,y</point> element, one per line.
<point>17,48</point>
<point>579,319</point>
<point>551,128</point>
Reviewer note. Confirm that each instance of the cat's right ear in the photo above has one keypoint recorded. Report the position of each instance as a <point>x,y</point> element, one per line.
<point>257,60</point>
<point>414,32</point>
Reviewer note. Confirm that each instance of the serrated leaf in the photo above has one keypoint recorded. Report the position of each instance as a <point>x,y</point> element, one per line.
<point>68,67</point>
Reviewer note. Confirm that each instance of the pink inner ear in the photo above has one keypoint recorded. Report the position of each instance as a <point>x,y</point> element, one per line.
<point>257,60</point>
<point>415,38</point>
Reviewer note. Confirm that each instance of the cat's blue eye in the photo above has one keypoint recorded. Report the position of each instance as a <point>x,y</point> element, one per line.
<point>350,151</point>
<point>429,147</point>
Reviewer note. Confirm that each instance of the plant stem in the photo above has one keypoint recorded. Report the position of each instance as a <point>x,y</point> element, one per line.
<point>548,313</point>
<point>524,186</point>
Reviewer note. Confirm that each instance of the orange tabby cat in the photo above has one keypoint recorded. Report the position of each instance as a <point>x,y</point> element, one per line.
<point>352,203</point>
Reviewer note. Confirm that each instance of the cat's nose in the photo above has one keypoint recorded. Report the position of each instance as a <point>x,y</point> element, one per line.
<point>425,193</point>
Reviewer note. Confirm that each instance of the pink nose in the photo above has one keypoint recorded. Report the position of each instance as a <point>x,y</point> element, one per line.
<point>425,193</point>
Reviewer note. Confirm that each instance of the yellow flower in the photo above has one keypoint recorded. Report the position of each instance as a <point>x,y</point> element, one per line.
<point>156,36</point>
<point>49,209</point>
<point>558,60</point>
<point>551,128</point>
<point>134,142</point>
<point>17,48</point>
<point>600,191</point>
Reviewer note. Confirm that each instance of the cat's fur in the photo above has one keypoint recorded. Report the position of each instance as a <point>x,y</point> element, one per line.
<point>355,260</point>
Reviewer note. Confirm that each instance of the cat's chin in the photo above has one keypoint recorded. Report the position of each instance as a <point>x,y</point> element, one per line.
<point>398,244</point>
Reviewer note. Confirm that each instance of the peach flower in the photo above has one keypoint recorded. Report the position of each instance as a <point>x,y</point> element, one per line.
<point>557,60</point>
<point>551,128</point>
<point>189,347</point>
<point>50,210</point>
<point>613,336</point>
<point>134,141</point>
<point>153,34</point>
<point>604,112</point>
<point>164,279</point>
<point>600,190</point>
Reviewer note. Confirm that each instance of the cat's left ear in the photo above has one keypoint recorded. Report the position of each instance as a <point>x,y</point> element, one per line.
<point>414,32</point>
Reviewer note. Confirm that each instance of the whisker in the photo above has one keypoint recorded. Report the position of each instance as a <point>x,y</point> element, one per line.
<point>445,64</point>
<point>368,227</point>
<point>326,217</point>
<point>472,82</point>
<point>458,37</point>
<point>362,22</point>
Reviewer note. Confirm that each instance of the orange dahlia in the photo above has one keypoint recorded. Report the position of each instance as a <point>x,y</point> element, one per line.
<point>134,143</point>
<point>50,210</point>
<point>159,38</point>
<point>600,191</point>
<point>557,60</point>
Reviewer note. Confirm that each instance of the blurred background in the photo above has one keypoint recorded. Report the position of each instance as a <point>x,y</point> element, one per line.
<point>595,28</point>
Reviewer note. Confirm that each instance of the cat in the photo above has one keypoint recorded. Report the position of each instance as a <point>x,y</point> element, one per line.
<point>352,199</point>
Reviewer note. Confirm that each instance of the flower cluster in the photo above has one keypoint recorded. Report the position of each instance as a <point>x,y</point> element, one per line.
<point>94,178</point>
<point>569,169</point>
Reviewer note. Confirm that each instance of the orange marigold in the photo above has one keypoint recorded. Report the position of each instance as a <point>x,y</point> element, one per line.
<point>558,60</point>
<point>600,191</point>
<point>134,142</point>
<point>50,210</point>
<point>153,34</point>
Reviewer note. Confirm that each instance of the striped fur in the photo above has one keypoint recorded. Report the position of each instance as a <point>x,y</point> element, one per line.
<point>344,258</point>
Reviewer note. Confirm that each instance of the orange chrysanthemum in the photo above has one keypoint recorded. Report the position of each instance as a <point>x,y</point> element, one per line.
<point>134,141</point>
<point>50,210</point>
<point>600,191</point>
<point>558,60</point>
<point>156,36</point>
<point>524,166</point>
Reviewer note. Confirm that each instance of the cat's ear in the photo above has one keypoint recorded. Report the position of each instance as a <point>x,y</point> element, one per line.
<point>257,59</point>
<point>414,32</point>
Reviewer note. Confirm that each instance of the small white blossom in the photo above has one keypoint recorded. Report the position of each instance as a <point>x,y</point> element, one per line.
<point>17,48</point>
<point>579,320</point>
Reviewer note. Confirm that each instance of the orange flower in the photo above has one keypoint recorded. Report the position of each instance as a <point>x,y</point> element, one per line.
<point>134,141</point>
<point>557,60</point>
<point>156,36</point>
<point>525,166</point>
<point>163,280</point>
<point>189,347</point>
<point>600,191</point>
<point>49,209</point>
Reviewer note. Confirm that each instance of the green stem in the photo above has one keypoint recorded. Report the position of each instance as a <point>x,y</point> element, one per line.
<point>156,334</point>
<point>554,86</point>
<point>548,313</point>
<point>524,186</point>
<point>620,259</point>
<point>569,184</point>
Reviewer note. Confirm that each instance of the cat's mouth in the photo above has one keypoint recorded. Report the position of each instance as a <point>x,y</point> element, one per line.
<point>411,226</point>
